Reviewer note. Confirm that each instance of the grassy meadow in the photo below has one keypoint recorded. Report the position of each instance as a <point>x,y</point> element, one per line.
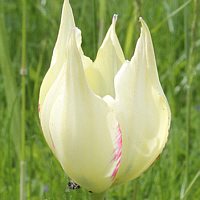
<point>25,55</point>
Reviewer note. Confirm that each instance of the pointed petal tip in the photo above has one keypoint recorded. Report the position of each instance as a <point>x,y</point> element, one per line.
<point>144,25</point>
<point>142,22</point>
<point>73,30</point>
<point>115,16</point>
<point>75,35</point>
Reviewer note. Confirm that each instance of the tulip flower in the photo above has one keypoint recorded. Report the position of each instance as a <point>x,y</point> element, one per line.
<point>106,121</point>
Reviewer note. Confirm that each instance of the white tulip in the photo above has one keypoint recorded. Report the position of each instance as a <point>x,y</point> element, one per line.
<point>105,121</point>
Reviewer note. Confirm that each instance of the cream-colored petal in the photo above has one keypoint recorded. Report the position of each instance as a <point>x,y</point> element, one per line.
<point>142,111</point>
<point>84,129</point>
<point>51,96</point>
<point>109,60</point>
<point>58,59</point>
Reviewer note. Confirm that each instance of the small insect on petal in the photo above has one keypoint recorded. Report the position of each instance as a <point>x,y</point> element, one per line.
<point>72,185</point>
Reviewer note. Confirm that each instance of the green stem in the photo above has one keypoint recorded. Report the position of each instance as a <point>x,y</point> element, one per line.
<point>94,196</point>
<point>186,41</point>
<point>23,107</point>
<point>189,51</point>
<point>23,73</point>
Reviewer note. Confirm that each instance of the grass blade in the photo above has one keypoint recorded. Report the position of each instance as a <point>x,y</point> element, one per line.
<point>187,191</point>
<point>10,86</point>
<point>170,16</point>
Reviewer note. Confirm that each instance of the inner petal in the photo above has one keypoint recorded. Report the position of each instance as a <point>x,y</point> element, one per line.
<point>100,75</point>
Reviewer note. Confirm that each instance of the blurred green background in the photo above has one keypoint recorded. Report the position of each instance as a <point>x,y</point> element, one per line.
<point>174,27</point>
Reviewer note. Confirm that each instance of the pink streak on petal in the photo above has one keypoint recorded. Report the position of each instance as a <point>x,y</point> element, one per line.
<point>39,117</point>
<point>118,150</point>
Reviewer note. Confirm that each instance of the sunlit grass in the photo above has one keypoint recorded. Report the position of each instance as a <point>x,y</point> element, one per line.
<point>45,178</point>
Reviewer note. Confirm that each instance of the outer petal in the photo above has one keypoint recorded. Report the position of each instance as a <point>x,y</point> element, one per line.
<point>109,60</point>
<point>58,58</point>
<point>142,111</point>
<point>83,128</point>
